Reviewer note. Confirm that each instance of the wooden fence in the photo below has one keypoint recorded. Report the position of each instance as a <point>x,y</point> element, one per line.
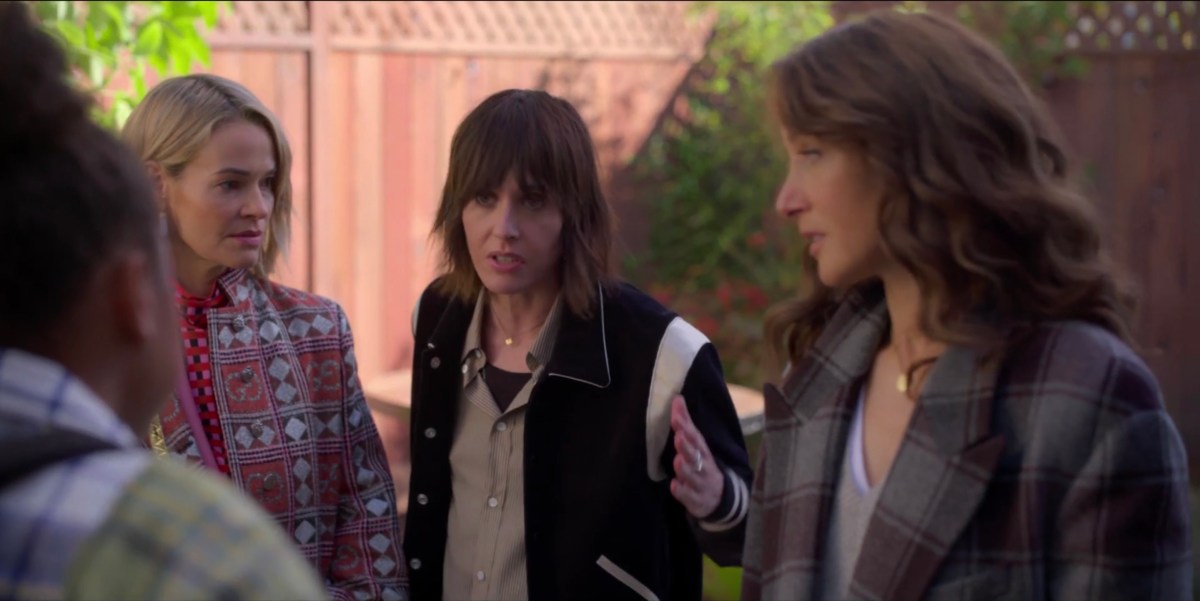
<point>370,92</point>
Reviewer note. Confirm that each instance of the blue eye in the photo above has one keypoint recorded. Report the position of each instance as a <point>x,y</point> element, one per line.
<point>228,186</point>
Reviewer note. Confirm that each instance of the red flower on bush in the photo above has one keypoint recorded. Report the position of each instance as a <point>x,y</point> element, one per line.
<point>756,240</point>
<point>708,325</point>
<point>661,294</point>
<point>756,299</point>
<point>725,295</point>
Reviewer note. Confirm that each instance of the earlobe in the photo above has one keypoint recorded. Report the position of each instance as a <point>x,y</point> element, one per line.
<point>158,179</point>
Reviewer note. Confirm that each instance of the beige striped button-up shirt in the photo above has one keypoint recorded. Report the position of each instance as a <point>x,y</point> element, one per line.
<point>485,538</point>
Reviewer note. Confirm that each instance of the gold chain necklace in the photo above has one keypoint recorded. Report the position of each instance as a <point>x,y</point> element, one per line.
<point>508,338</point>
<point>905,379</point>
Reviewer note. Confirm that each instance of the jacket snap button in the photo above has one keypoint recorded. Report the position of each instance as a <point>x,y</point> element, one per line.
<point>435,362</point>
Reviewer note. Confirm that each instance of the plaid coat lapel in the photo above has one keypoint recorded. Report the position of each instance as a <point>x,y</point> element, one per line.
<point>937,480</point>
<point>807,422</point>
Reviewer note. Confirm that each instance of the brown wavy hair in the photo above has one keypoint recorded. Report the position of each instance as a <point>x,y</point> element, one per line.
<point>980,207</point>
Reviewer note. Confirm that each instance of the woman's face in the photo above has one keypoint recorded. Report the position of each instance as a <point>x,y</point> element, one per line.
<point>221,203</point>
<point>834,196</point>
<point>514,238</point>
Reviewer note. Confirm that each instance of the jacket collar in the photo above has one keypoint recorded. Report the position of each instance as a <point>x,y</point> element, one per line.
<point>944,463</point>
<point>956,394</point>
<point>540,350</point>
<point>580,350</point>
<point>581,353</point>
<point>243,290</point>
<point>842,354</point>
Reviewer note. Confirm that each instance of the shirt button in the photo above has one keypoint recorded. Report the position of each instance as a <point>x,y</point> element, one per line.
<point>435,362</point>
<point>479,575</point>
<point>492,502</point>
<point>422,499</point>
<point>239,322</point>
<point>430,432</point>
<point>247,374</point>
<point>501,426</point>
<point>414,563</point>
<point>256,430</point>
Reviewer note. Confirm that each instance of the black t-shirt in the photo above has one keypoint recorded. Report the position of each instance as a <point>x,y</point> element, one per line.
<point>505,385</point>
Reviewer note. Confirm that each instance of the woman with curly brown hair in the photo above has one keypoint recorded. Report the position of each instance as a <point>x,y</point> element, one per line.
<point>962,415</point>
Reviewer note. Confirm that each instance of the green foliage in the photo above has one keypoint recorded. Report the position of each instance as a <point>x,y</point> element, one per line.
<point>721,584</point>
<point>1032,34</point>
<point>709,174</point>
<point>716,255</point>
<point>106,39</point>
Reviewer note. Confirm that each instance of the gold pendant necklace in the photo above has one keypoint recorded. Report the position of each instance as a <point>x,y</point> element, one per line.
<point>509,340</point>
<point>902,383</point>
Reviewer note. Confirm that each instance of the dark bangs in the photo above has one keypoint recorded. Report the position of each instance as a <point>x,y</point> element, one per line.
<point>526,132</point>
<point>545,141</point>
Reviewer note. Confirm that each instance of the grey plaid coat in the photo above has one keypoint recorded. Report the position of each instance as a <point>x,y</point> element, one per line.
<point>1053,474</point>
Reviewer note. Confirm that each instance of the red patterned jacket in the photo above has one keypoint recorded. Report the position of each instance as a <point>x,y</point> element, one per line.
<point>299,435</point>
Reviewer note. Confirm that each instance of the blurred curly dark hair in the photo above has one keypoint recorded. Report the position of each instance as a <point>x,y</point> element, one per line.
<point>73,193</point>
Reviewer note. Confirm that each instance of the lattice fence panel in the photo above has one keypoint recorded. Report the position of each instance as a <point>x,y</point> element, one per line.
<point>576,29</point>
<point>265,19</point>
<point>1136,26</point>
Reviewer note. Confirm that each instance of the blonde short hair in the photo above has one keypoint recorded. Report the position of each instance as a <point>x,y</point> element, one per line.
<point>176,120</point>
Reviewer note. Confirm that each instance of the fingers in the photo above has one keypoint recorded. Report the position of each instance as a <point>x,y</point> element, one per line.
<point>691,499</point>
<point>699,493</point>
<point>688,439</point>
<point>698,482</point>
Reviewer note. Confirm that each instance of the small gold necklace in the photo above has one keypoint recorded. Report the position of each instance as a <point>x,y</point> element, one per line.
<point>508,338</point>
<point>905,379</point>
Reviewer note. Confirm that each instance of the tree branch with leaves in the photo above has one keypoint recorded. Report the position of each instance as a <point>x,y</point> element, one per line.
<point>113,46</point>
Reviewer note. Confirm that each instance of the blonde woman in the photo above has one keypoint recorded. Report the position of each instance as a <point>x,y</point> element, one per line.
<point>271,398</point>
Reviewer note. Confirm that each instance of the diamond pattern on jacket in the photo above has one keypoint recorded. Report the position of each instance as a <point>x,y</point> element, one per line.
<point>299,328</point>
<point>384,565</point>
<point>295,428</point>
<point>305,532</point>
<point>377,507</point>
<point>269,331</point>
<point>323,325</point>
<point>380,543</point>
<point>304,494</point>
<point>225,336</point>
